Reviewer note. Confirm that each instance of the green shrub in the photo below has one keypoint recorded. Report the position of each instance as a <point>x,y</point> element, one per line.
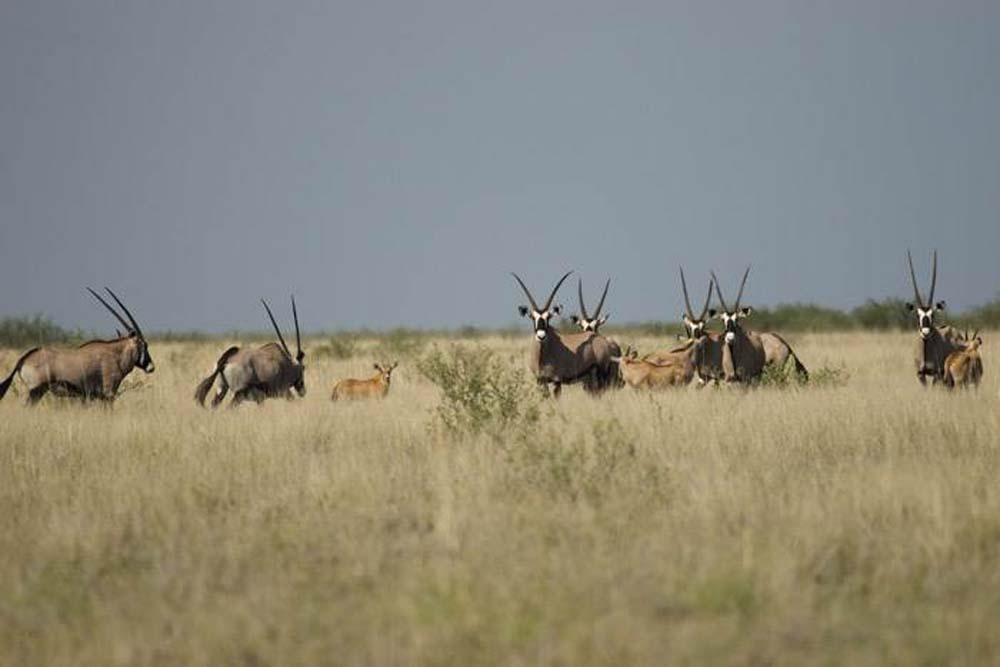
<point>400,342</point>
<point>882,315</point>
<point>20,332</point>
<point>785,376</point>
<point>340,346</point>
<point>481,393</point>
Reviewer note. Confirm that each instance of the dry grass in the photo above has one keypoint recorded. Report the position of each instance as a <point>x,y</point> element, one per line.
<point>857,524</point>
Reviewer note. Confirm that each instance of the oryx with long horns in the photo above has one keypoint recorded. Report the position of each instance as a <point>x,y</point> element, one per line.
<point>559,359</point>
<point>591,324</point>
<point>269,371</point>
<point>743,355</point>
<point>94,370</point>
<point>935,343</point>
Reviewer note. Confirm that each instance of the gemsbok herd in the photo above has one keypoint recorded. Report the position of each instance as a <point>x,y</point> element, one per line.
<point>96,369</point>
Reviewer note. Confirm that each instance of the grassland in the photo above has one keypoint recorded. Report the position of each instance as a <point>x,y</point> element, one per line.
<point>854,523</point>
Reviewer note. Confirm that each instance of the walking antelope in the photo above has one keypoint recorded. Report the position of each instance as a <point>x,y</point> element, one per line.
<point>935,343</point>
<point>268,371</point>
<point>375,387</point>
<point>559,359</point>
<point>645,373</point>
<point>94,370</point>
<point>965,366</point>
<point>743,355</point>
<point>592,323</point>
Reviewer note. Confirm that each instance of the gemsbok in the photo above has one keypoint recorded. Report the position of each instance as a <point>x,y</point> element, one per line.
<point>375,387</point>
<point>591,324</point>
<point>269,371</point>
<point>559,359</point>
<point>94,370</point>
<point>702,346</point>
<point>743,355</point>
<point>964,367</point>
<point>935,343</point>
<point>676,371</point>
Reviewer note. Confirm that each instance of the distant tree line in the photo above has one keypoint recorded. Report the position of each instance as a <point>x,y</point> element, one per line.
<point>884,315</point>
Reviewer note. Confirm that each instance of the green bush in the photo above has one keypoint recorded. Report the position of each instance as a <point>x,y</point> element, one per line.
<point>480,393</point>
<point>20,332</point>
<point>883,315</point>
<point>785,376</point>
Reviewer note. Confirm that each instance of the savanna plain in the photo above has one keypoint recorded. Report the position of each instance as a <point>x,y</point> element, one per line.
<point>855,520</point>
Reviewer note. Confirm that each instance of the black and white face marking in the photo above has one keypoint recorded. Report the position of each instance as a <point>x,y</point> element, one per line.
<point>540,320</point>
<point>695,328</point>
<point>145,362</point>
<point>590,325</point>
<point>925,317</point>
<point>731,322</point>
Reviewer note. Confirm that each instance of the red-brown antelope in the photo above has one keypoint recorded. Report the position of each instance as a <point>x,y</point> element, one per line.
<point>676,371</point>
<point>964,367</point>
<point>559,359</point>
<point>94,370</point>
<point>269,371</point>
<point>376,386</point>
<point>935,343</point>
<point>743,355</point>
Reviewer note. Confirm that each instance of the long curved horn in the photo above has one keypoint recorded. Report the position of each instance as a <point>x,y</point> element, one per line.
<point>276,329</point>
<point>687,299</point>
<point>524,287</point>
<point>708,300</point>
<point>298,338</point>
<point>600,304</point>
<point>579,292</point>
<point>913,280</point>
<point>135,325</point>
<point>114,312</point>
<point>718,291</point>
<point>930,302</point>
<point>556,289</point>
<point>739,297</point>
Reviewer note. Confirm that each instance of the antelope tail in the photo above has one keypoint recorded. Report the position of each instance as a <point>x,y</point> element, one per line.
<point>800,367</point>
<point>5,385</point>
<point>206,385</point>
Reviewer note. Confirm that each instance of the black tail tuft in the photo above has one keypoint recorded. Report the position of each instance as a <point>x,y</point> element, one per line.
<point>201,391</point>
<point>800,368</point>
<point>5,385</point>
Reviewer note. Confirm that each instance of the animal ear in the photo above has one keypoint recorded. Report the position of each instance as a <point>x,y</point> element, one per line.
<point>604,318</point>
<point>746,312</point>
<point>712,312</point>
<point>940,305</point>
<point>557,309</point>
<point>576,320</point>
<point>523,310</point>
<point>909,306</point>
<point>394,364</point>
<point>377,367</point>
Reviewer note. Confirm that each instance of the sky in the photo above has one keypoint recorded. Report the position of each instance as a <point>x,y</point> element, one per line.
<point>392,161</point>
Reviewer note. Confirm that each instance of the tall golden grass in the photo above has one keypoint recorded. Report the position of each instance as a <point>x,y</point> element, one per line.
<point>850,524</point>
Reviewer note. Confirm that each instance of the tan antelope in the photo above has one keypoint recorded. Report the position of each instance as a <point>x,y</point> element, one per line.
<point>94,370</point>
<point>935,343</point>
<point>269,371</point>
<point>964,367</point>
<point>676,371</point>
<point>592,324</point>
<point>376,386</point>
<point>743,354</point>
<point>559,359</point>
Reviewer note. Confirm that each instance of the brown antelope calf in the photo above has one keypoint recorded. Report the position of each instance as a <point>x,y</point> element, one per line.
<point>376,386</point>
<point>673,371</point>
<point>964,367</point>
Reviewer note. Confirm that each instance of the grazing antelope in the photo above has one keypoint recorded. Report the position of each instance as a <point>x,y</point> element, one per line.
<point>964,367</point>
<point>743,354</point>
<point>646,374</point>
<point>935,343</point>
<point>94,370</point>
<point>559,359</point>
<point>268,371</point>
<point>375,387</point>
<point>591,324</point>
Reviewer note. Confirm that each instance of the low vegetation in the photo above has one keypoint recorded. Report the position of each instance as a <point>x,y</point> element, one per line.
<point>464,520</point>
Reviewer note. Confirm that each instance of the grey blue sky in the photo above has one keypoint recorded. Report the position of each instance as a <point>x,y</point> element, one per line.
<point>391,161</point>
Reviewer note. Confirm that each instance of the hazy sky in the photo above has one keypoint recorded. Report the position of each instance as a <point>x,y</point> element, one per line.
<point>391,162</point>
